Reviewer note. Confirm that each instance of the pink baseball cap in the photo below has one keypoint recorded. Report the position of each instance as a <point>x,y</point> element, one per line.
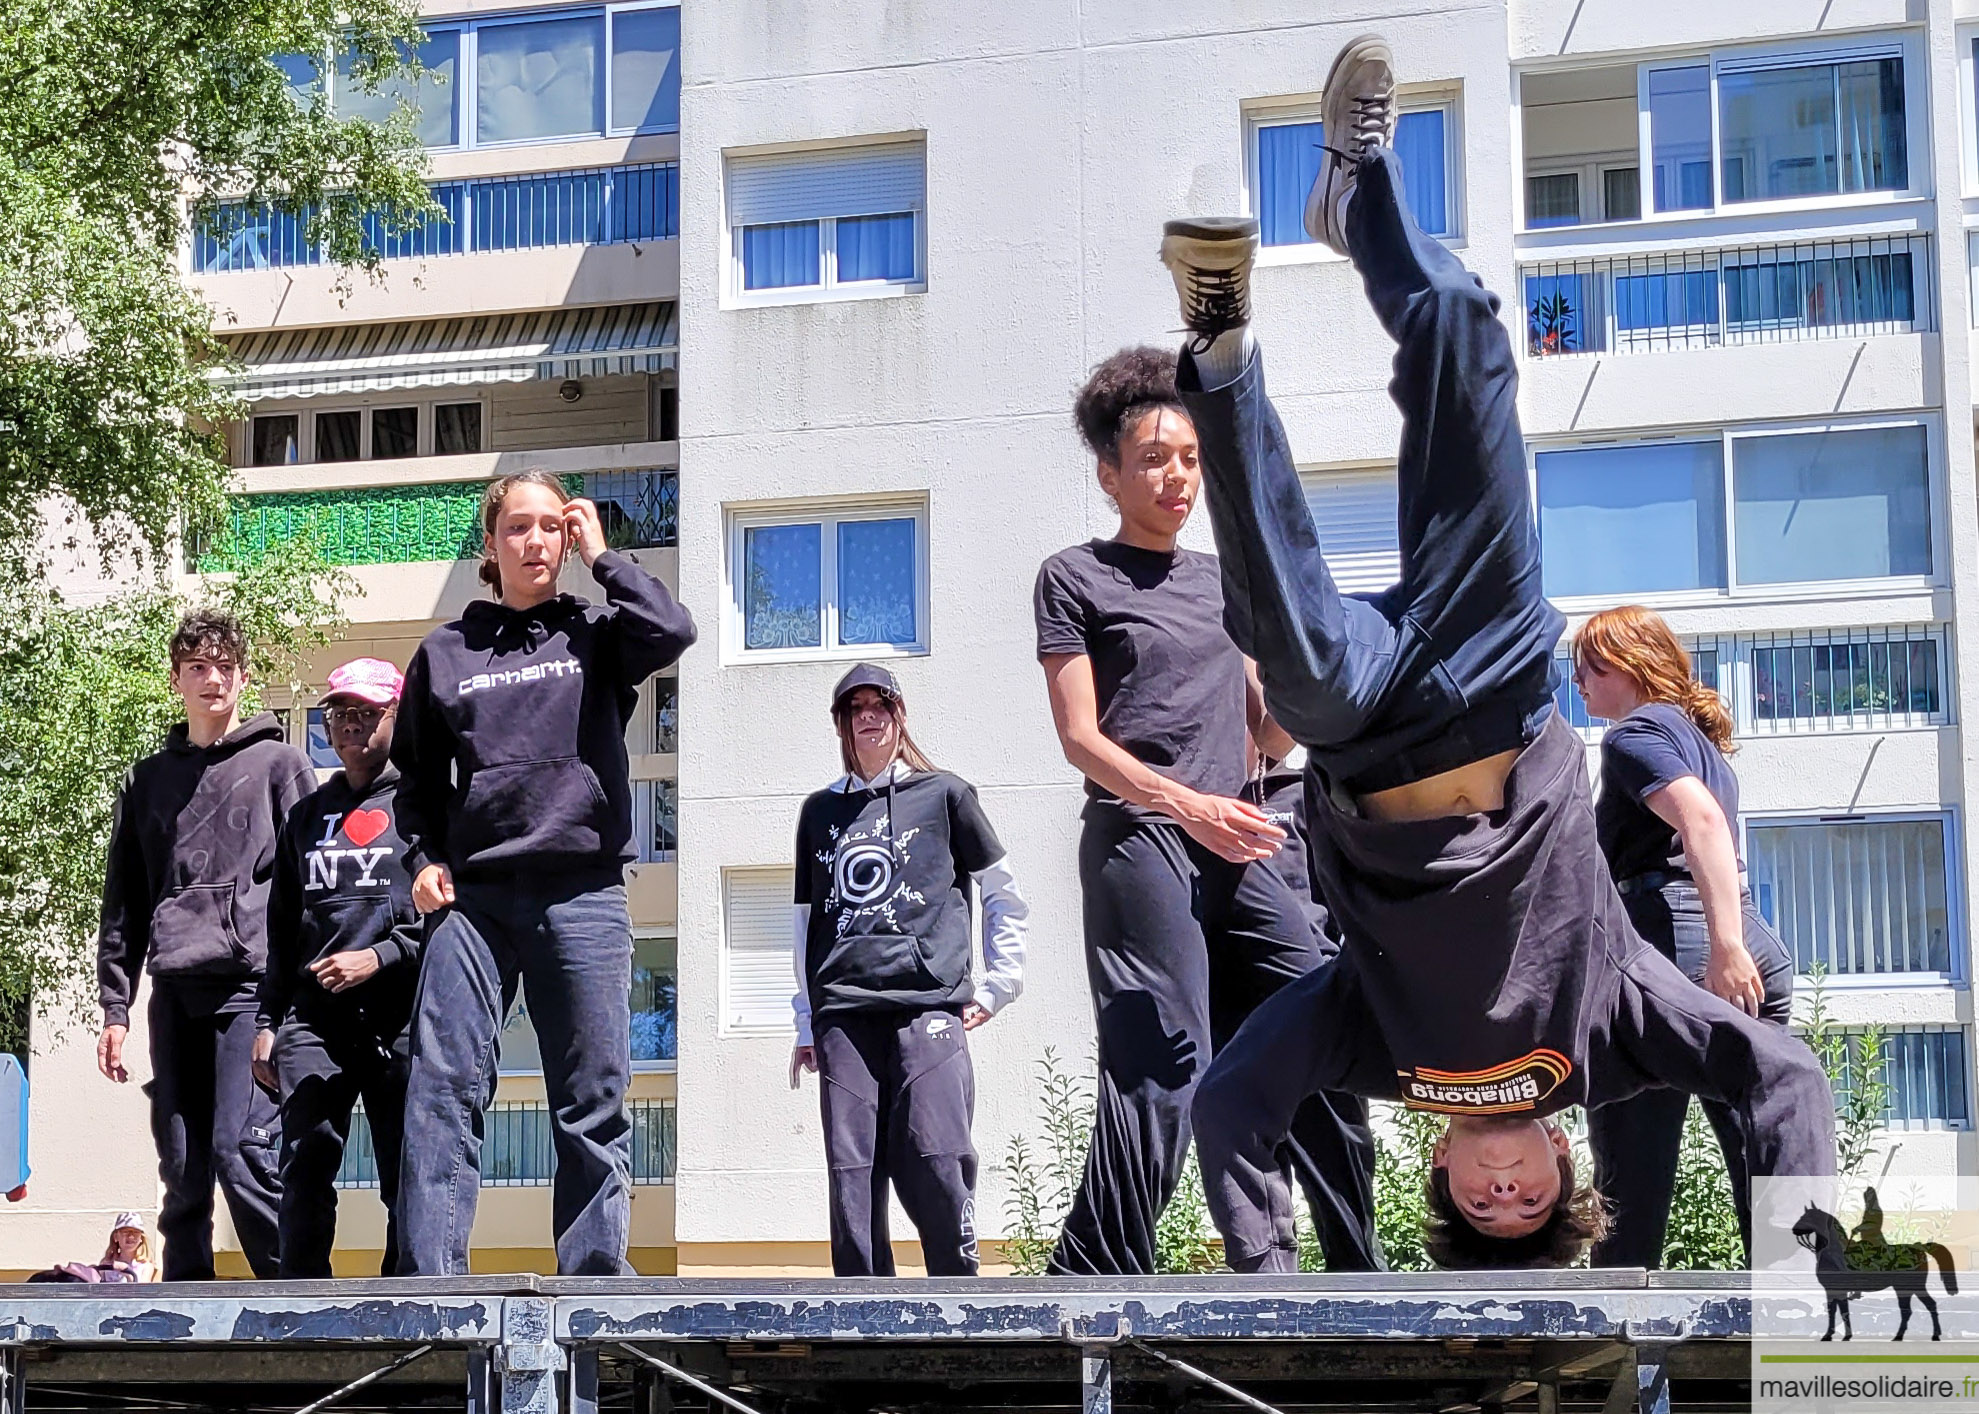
<point>370,680</point>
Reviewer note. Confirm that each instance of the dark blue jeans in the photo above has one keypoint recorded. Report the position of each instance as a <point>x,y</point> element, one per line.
<point>1455,662</point>
<point>1636,1141</point>
<point>570,945</point>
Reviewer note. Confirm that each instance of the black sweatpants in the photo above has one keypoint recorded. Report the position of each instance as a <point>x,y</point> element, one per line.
<point>211,1121</point>
<point>1181,947</point>
<point>326,1062</point>
<point>1636,1141</point>
<point>898,1096</point>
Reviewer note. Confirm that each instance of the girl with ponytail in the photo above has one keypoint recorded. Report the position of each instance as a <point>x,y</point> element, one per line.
<point>1667,820</point>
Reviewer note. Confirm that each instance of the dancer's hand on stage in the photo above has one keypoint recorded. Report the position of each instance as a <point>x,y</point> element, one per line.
<point>583,529</point>
<point>110,1053</point>
<point>802,1058</point>
<point>1731,974</point>
<point>345,969</point>
<point>433,890</point>
<point>263,1062</point>
<point>1235,829</point>
<point>974,1015</point>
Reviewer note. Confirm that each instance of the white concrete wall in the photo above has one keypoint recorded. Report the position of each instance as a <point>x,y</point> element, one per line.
<point>1059,138</point>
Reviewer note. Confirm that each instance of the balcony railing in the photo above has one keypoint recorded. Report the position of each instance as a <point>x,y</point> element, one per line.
<point>1762,294</point>
<point>1778,684</point>
<point>595,206</point>
<point>518,1151</point>
<point>392,525</point>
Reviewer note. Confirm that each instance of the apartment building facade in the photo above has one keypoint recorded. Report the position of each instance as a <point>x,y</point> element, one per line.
<point>887,241</point>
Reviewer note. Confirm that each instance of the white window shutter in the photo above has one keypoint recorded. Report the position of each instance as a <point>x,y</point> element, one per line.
<point>870,180</point>
<point>1354,512</point>
<point>757,976</point>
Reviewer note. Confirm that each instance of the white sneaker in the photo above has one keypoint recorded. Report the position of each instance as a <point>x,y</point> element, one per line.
<point>1210,258</point>
<point>1357,111</point>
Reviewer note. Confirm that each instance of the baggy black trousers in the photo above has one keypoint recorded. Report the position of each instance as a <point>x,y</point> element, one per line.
<point>211,1121</point>
<point>327,1061</point>
<point>898,1096</point>
<point>1636,1141</point>
<point>1451,664</point>
<point>1181,946</point>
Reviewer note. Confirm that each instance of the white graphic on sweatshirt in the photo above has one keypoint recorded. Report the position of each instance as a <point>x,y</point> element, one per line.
<point>938,1026</point>
<point>535,672</point>
<point>868,876</point>
<point>326,857</point>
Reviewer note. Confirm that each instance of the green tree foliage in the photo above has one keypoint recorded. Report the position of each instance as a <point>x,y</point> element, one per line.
<point>87,693</point>
<point>111,113</point>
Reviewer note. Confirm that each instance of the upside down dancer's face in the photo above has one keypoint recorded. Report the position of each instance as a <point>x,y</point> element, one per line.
<point>530,539</point>
<point>1504,1171</point>
<point>1156,473</point>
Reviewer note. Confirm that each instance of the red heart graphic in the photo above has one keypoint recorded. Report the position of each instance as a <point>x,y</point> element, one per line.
<point>363,826</point>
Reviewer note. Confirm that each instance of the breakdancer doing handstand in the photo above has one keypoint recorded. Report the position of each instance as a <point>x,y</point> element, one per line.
<point>1488,971</point>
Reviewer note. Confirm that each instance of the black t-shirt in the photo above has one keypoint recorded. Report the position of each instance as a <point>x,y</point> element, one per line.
<point>886,871</point>
<point>1488,946</point>
<point>1170,682</point>
<point>1644,752</point>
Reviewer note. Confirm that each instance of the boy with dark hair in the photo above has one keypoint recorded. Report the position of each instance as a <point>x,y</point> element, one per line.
<point>185,898</point>
<point>1488,970</point>
<point>343,961</point>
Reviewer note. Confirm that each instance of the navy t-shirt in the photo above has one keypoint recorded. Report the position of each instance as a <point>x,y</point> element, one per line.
<point>1170,682</point>
<point>1644,752</point>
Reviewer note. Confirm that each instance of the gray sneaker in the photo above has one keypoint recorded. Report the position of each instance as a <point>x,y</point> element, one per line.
<point>1210,258</point>
<point>1356,111</point>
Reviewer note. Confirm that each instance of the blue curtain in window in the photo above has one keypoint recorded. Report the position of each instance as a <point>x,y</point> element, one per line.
<point>1419,143</point>
<point>876,247</point>
<point>1673,299</point>
<point>780,256</point>
<point>876,582</point>
<point>782,578</point>
<point>1288,161</point>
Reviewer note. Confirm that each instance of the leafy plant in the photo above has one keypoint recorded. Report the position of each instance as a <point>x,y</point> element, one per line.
<point>110,113</point>
<point>1857,1062</point>
<point>1551,323</point>
<point>88,692</point>
<point>1043,1182</point>
<point>1703,1230</point>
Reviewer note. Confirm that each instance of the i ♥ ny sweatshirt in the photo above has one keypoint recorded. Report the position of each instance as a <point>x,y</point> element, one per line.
<point>511,732</point>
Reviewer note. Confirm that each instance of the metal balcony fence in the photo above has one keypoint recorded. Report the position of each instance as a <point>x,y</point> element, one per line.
<point>517,1149</point>
<point>1761,294</point>
<point>593,206</point>
<point>1818,680</point>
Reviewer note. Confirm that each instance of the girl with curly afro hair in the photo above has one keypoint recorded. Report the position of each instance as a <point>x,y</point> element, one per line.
<point>1187,930</point>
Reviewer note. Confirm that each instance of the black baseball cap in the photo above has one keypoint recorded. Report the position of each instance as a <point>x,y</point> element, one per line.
<point>865,675</point>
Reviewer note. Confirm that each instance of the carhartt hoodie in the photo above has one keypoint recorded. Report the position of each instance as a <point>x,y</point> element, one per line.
<point>192,850</point>
<point>511,732</point>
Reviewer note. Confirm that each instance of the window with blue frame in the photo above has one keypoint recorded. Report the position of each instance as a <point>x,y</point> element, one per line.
<point>832,582</point>
<point>1287,159</point>
<point>585,71</point>
<point>1632,519</point>
<point>837,219</point>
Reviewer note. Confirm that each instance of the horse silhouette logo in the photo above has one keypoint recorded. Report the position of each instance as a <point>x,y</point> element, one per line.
<point>1851,1265</point>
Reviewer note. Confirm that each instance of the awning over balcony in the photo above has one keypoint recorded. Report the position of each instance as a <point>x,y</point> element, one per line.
<point>430,353</point>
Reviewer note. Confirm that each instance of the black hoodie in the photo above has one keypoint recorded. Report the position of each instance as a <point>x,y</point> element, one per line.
<point>511,730</point>
<point>341,885</point>
<point>192,849</point>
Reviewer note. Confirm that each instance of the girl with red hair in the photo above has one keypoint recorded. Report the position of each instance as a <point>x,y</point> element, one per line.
<point>1667,821</point>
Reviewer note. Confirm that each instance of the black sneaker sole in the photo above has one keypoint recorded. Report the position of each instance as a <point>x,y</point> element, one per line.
<point>1212,228</point>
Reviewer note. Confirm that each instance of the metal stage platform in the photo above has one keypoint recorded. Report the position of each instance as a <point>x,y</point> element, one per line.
<point>1550,1341</point>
